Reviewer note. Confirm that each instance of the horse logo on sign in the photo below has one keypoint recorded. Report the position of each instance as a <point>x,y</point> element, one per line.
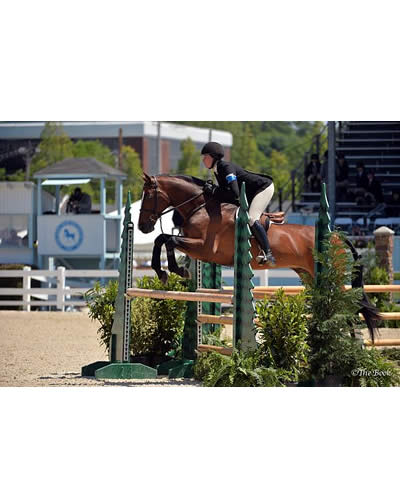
<point>69,236</point>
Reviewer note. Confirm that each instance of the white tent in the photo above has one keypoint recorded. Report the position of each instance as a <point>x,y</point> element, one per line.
<point>143,243</point>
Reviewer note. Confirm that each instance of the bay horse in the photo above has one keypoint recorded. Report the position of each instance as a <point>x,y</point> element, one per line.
<point>208,232</point>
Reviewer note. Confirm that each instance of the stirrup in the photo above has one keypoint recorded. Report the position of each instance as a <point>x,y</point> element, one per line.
<point>266,258</point>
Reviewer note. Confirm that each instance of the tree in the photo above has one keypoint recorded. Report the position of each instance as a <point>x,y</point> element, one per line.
<point>94,149</point>
<point>279,169</point>
<point>190,162</point>
<point>133,168</point>
<point>55,145</point>
<point>245,152</point>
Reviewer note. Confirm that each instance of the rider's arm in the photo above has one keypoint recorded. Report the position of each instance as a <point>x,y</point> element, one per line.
<point>227,172</point>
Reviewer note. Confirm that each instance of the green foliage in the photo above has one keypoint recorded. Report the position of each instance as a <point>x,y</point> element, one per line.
<point>283,329</point>
<point>242,369</point>
<point>133,168</point>
<point>366,367</point>
<point>253,142</point>
<point>94,149</point>
<point>55,145</point>
<point>213,337</point>
<point>165,316</point>
<point>156,325</point>
<point>390,307</point>
<point>333,310</point>
<point>279,168</point>
<point>245,152</point>
<point>375,275</point>
<point>101,304</point>
<point>392,353</point>
<point>190,162</point>
<point>334,327</point>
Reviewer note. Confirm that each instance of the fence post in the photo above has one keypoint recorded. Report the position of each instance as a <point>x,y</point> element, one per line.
<point>26,284</point>
<point>384,241</point>
<point>60,287</point>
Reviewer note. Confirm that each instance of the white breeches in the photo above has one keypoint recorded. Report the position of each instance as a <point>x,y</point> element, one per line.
<point>260,203</point>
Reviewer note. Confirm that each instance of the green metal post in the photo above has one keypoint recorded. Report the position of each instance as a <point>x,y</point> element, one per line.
<point>322,227</point>
<point>244,307</point>
<point>211,278</point>
<point>119,366</point>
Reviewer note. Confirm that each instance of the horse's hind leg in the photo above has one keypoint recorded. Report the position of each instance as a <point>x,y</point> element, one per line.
<point>302,273</point>
<point>170,245</point>
<point>190,246</point>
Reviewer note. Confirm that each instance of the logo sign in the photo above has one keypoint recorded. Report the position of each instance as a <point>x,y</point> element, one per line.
<point>69,236</point>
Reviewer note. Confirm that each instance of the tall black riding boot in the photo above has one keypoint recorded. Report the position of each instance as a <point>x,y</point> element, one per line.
<point>262,239</point>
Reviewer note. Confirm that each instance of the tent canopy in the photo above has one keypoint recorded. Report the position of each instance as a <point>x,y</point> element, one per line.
<point>143,243</point>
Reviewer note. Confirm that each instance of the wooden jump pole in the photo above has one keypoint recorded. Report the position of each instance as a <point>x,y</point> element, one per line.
<point>293,290</point>
<point>220,298</point>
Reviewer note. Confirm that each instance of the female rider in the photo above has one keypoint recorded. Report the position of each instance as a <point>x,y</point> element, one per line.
<point>259,191</point>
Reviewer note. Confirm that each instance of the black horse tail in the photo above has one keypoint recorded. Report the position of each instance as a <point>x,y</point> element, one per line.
<point>368,310</point>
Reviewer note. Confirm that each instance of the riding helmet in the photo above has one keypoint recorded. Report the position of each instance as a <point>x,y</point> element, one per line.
<point>213,149</point>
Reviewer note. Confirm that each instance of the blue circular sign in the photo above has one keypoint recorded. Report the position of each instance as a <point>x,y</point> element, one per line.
<point>69,235</point>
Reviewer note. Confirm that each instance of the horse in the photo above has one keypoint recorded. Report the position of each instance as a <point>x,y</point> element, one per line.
<point>208,232</point>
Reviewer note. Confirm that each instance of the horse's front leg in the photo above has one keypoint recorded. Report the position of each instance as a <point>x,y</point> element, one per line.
<point>190,246</point>
<point>156,258</point>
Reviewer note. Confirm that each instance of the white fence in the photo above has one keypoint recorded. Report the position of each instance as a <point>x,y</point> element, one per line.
<point>58,295</point>
<point>61,293</point>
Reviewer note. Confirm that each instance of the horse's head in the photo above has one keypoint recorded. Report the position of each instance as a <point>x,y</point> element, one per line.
<point>154,202</point>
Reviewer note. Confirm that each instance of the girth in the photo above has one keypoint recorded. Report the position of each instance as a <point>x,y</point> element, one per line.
<point>268,218</point>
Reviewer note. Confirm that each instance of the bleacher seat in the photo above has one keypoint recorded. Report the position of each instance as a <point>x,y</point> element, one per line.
<point>344,223</point>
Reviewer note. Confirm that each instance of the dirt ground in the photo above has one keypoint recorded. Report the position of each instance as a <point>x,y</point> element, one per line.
<point>49,348</point>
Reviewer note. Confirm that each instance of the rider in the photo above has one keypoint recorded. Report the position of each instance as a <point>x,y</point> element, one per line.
<point>259,191</point>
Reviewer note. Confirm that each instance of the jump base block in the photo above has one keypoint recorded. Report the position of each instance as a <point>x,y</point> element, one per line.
<point>125,371</point>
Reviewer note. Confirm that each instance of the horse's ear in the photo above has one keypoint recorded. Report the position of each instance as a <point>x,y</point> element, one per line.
<point>146,178</point>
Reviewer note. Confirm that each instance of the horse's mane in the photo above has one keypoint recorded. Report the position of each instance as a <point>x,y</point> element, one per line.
<point>188,178</point>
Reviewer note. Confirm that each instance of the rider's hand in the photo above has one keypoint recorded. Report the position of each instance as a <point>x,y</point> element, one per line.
<point>209,188</point>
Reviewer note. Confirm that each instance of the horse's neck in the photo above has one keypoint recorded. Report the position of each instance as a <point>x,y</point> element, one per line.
<point>179,191</point>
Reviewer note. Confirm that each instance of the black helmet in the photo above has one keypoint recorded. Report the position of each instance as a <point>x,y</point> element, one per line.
<point>213,149</point>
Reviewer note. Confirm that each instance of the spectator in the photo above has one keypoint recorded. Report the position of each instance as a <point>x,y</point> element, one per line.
<point>393,205</point>
<point>342,177</point>
<point>361,183</point>
<point>79,203</point>
<point>324,168</point>
<point>312,174</point>
<point>361,177</point>
<point>374,194</point>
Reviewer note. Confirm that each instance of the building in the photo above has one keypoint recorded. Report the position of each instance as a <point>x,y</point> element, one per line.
<point>157,143</point>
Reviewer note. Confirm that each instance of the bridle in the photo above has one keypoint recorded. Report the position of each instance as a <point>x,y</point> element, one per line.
<point>155,214</point>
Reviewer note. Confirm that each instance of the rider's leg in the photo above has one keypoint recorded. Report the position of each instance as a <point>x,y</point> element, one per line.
<point>257,206</point>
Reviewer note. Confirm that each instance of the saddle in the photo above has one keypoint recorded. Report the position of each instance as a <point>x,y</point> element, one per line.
<point>272,218</point>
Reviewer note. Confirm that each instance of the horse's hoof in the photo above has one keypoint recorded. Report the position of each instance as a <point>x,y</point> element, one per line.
<point>184,273</point>
<point>163,277</point>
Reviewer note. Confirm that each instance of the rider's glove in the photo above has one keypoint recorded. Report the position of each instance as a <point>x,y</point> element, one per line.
<point>209,188</point>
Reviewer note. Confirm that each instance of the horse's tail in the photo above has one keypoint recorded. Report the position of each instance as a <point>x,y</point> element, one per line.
<point>368,310</point>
